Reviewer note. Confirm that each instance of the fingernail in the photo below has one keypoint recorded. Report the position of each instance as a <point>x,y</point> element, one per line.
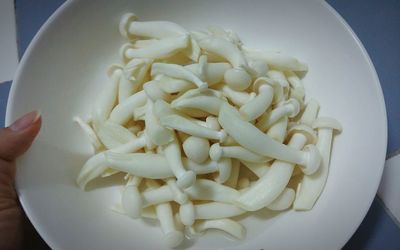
<point>25,121</point>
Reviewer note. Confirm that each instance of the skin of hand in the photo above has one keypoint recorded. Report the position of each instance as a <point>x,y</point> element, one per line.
<point>14,141</point>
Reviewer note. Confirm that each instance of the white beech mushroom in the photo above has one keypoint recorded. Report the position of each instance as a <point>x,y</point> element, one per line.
<point>173,91</point>
<point>311,186</point>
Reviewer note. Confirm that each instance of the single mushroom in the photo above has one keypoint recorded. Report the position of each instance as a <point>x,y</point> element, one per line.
<point>173,85</point>
<point>187,126</point>
<point>311,186</point>
<point>289,108</point>
<point>93,138</point>
<point>258,169</point>
<point>131,200</point>
<point>196,148</point>
<point>157,133</point>
<point>217,152</point>
<point>158,49</point>
<point>234,176</point>
<point>276,60</point>
<point>266,90</point>
<point>310,112</point>
<point>203,101</point>
<point>172,237</point>
<point>129,27</point>
<point>172,152</point>
<point>237,77</point>
<point>187,213</point>
<point>251,138</point>
<point>269,186</point>
<point>213,72</point>
<point>238,98</point>
<point>259,67</point>
<point>105,101</point>
<point>134,75</point>
<point>154,92</point>
<point>113,135</point>
<point>177,71</point>
<point>123,112</point>
<point>278,130</point>
<point>97,164</point>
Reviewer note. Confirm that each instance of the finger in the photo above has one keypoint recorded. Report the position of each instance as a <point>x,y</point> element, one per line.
<point>17,138</point>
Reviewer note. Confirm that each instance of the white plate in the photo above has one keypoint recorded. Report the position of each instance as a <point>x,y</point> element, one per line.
<point>65,66</point>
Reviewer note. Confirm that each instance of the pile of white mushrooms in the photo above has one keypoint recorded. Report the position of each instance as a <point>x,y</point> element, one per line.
<point>205,130</point>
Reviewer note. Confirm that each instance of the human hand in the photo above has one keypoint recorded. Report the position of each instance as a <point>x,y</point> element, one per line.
<point>14,141</point>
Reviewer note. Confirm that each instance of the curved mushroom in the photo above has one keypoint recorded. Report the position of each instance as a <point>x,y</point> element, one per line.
<point>159,49</point>
<point>238,98</point>
<point>259,104</point>
<point>311,186</point>
<point>177,71</point>
<point>229,226</point>
<point>251,138</point>
<point>217,152</point>
<point>237,77</point>
<point>129,27</point>
<point>277,60</point>
<point>289,108</point>
<point>123,112</point>
<point>113,135</point>
<point>107,98</point>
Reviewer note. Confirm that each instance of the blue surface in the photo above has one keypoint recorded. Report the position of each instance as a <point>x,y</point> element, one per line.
<point>4,89</point>
<point>377,24</point>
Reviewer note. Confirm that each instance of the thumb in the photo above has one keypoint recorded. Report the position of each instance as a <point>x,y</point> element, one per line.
<point>17,138</point>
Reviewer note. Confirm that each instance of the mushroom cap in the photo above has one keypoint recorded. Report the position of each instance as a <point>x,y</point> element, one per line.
<point>196,148</point>
<point>307,131</point>
<point>327,122</point>
<point>186,180</point>
<point>173,238</point>
<point>278,90</point>
<point>238,79</point>
<point>126,20</point>
<point>123,49</point>
<point>113,68</point>
<point>293,105</point>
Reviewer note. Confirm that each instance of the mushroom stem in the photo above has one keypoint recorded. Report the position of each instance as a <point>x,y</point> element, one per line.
<point>311,186</point>
<point>106,100</point>
<point>270,186</point>
<point>177,71</point>
<point>172,152</point>
<point>213,72</point>
<point>217,152</point>
<point>158,49</point>
<point>278,130</point>
<point>209,104</point>
<point>158,134</point>
<point>233,178</point>
<point>187,126</point>
<point>277,60</point>
<point>251,138</point>
<point>172,236</point>
<point>288,108</point>
<point>239,98</point>
<point>123,112</point>
<point>87,129</point>
<point>257,106</point>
